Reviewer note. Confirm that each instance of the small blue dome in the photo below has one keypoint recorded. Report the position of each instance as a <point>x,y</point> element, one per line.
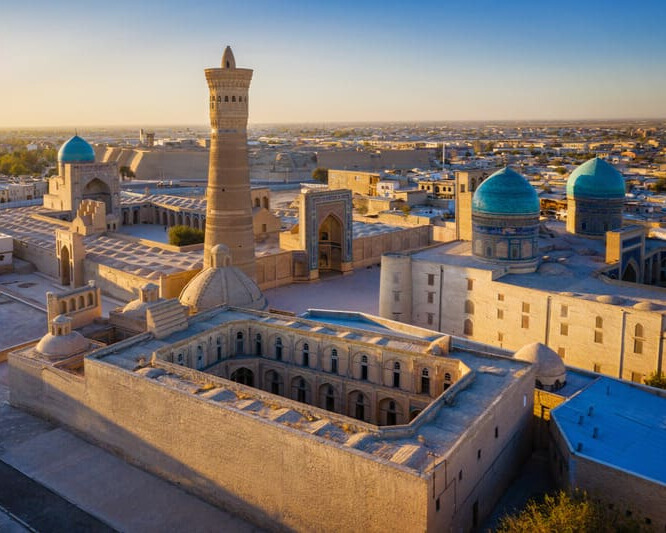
<point>507,193</point>
<point>76,150</point>
<point>595,179</point>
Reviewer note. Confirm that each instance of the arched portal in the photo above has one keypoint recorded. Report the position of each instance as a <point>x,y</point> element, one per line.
<point>630,273</point>
<point>97,190</point>
<point>65,269</point>
<point>330,244</point>
<point>244,376</point>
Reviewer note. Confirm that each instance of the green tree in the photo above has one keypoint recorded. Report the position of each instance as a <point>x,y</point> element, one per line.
<point>562,512</point>
<point>656,379</point>
<point>184,235</point>
<point>126,172</point>
<point>320,174</point>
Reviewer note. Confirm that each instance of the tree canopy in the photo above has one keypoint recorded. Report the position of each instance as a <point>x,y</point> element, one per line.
<point>572,513</point>
<point>184,235</point>
<point>320,174</point>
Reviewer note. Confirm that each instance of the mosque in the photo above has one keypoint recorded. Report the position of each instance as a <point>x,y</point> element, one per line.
<point>592,290</point>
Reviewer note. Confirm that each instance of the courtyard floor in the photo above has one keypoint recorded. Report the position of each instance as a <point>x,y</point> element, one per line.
<point>358,291</point>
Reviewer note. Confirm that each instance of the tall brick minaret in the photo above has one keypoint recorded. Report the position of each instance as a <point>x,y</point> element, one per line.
<point>229,211</point>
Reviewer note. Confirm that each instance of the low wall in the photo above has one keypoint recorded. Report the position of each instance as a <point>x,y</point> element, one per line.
<point>275,270</point>
<point>278,477</point>
<point>368,250</point>
<point>45,260</point>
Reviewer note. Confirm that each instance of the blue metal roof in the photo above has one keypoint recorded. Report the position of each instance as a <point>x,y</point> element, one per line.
<point>595,179</point>
<point>630,422</point>
<point>76,150</point>
<point>506,192</point>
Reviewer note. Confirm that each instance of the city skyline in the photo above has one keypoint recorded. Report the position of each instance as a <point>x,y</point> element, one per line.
<point>80,65</point>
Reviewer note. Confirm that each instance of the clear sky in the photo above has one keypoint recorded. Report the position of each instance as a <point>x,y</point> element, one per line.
<point>75,63</point>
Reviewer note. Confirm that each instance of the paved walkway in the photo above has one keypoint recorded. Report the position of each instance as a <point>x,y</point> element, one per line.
<point>358,291</point>
<point>95,481</point>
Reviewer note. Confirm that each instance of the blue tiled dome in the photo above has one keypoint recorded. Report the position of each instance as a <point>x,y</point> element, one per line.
<point>76,150</point>
<point>595,179</point>
<point>506,192</point>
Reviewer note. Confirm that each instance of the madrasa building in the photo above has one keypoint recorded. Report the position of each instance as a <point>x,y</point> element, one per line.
<point>592,290</point>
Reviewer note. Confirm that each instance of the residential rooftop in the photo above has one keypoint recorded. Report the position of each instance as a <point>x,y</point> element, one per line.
<point>630,426</point>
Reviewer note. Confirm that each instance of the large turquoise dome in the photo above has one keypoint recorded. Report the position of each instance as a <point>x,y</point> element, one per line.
<point>595,179</point>
<point>506,193</point>
<point>76,150</point>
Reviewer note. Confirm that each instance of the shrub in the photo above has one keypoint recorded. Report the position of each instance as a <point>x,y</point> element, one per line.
<point>184,235</point>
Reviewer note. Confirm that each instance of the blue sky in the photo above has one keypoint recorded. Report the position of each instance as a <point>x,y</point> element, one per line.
<point>86,63</point>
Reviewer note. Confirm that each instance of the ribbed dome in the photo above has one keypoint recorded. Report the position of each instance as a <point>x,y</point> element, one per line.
<point>595,179</point>
<point>506,192</point>
<point>221,284</point>
<point>550,368</point>
<point>76,150</point>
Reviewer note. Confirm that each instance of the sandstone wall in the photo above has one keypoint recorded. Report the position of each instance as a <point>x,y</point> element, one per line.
<point>280,478</point>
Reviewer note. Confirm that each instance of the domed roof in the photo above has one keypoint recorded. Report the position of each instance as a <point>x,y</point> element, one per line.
<point>595,179</point>
<point>60,346</point>
<point>76,150</point>
<point>550,367</point>
<point>221,284</point>
<point>506,192</point>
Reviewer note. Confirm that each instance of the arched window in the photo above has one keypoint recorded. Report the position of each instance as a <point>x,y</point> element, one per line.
<point>334,361</point>
<point>306,354</point>
<point>396,374</point>
<point>300,394</point>
<point>226,98</point>
<point>425,381</point>
<point>257,202</point>
<point>179,359</point>
<point>257,344</point>
<point>219,348</point>
<point>468,327</point>
<point>638,338</point>
<point>233,98</point>
<point>469,307</point>
<point>219,99</point>
<point>391,415</point>
<point>447,380</point>
<point>278,348</point>
<point>239,343</point>
<point>275,382</point>
<point>330,398</point>
<point>359,411</point>
<point>63,307</point>
<point>364,368</point>
<point>200,357</point>
<point>90,299</point>
<point>599,322</point>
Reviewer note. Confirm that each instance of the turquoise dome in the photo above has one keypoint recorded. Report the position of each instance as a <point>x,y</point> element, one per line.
<point>76,150</point>
<point>506,192</point>
<point>595,179</point>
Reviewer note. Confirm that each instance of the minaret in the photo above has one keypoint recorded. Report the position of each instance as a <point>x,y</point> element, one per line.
<point>229,210</point>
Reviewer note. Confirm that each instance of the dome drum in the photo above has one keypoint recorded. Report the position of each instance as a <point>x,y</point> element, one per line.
<point>595,199</point>
<point>505,221</point>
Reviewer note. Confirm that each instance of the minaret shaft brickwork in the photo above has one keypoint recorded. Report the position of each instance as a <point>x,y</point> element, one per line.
<point>229,210</point>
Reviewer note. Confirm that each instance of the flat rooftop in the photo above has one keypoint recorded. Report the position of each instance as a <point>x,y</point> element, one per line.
<point>631,424</point>
<point>416,447</point>
<point>569,265</point>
